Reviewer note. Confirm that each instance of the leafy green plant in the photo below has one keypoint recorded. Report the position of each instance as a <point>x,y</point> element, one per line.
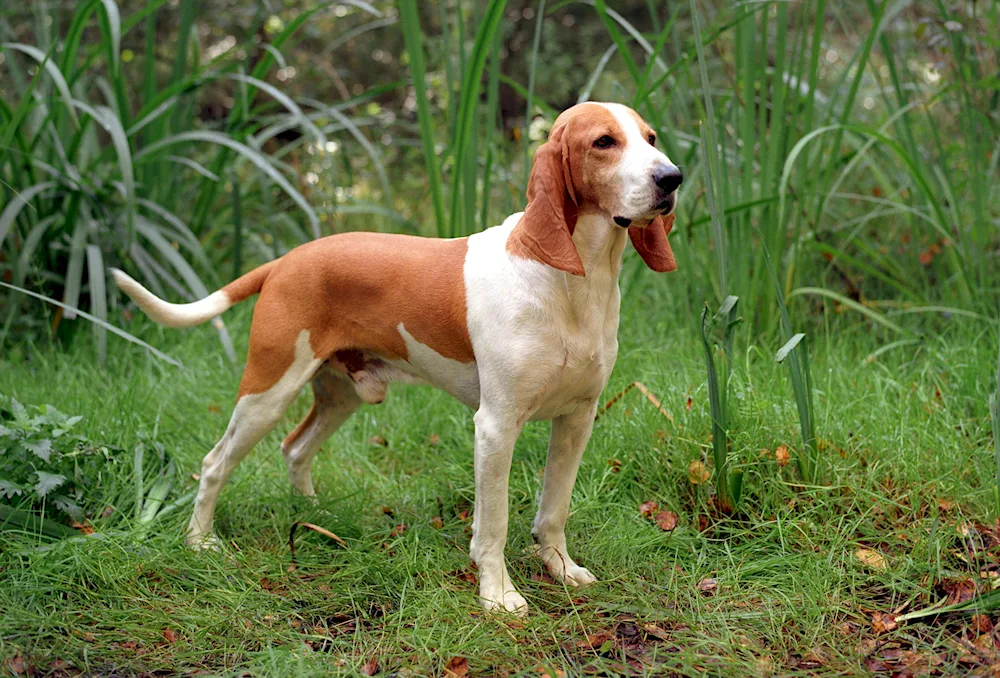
<point>51,475</point>
<point>46,464</point>
<point>729,484</point>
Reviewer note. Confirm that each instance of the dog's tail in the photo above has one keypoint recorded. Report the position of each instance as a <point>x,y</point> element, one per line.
<point>197,312</point>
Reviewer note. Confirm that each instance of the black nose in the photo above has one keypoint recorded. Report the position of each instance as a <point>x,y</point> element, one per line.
<point>667,177</point>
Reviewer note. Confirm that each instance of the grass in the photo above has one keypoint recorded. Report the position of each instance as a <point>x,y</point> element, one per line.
<point>905,435</point>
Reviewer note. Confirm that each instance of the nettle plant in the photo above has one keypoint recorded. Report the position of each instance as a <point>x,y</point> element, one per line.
<point>46,464</point>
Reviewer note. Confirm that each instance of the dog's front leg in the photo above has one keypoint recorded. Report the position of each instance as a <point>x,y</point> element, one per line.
<point>568,440</point>
<point>495,438</point>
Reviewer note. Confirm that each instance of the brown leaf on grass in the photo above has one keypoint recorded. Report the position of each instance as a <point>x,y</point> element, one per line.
<point>378,440</point>
<point>550,672</point>
<point>464,575</point>
<point>170,635</point>
<point>437,523</point>
<point>615,464</point>
<point>666,520</point>
<point>463,515</point>
<point>82,527</point>
<point>398,530</point>
<point>648,508</point>
<point>782,456</point>
<point>108,510</point>
<point>883,622</point>
<point>698,473</point>
<point>16,665</point>
<point>433,439</point>
<point>594,641</point>
<point>369,667</point>
<point>872,559</point>
<point>982,624</point>
<point>814,659</point>
<point>656,631</point>
<point>959,589</point>
<point>457,667</point>
<point>708,585</point>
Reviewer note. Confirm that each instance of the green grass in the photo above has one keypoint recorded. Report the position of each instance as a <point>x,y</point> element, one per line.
<point>907,447</point>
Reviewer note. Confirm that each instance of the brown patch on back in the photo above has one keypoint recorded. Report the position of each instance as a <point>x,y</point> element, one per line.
<point>351,291</point>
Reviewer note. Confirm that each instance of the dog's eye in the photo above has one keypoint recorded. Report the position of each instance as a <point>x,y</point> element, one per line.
<point>607,141</point>
<point>652,139</point>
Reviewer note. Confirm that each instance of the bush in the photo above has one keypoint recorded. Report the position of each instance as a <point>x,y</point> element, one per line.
<point>47,465</point>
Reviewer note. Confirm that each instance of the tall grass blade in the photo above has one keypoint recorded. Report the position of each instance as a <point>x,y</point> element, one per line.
<point>108,326</point>
<point>467,106</point>
<point>98,298</point>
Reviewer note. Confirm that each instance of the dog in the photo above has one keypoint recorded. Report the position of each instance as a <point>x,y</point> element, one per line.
<point>518,322</point>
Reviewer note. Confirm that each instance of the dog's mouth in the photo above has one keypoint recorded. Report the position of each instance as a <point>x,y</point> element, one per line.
<point>666,206</point>
<point>662,208</point>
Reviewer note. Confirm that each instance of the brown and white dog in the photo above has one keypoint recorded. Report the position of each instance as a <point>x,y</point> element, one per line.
<point>519,322</point>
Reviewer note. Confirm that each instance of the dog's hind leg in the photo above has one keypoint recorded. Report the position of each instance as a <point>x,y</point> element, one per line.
<point>255,415</point>
<point>334,400</point>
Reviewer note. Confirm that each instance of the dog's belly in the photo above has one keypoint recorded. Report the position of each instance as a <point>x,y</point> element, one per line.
<point>459,379</point>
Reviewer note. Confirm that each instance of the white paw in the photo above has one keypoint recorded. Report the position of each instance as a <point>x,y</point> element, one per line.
<point>577,576</point>
<point>203,542</point>
<point>504,601</point>
<point>564,569</point>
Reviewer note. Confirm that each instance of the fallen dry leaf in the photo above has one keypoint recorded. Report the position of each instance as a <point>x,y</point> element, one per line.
<point>369,667</point>
<point>16,665</point>
<point>782,456</point>
<point>872,559</point>
<point>433,439</point>
<point>82,527</point>
<point>698,473</point>
<point>615,464</point>
<point>959,589</point>
<point>594,641</point>
<point>398,530</point>
<point>378,440</point>
<point>648,508</point>
<point>656,631</point>
<point>666,520</point>
<point>170,635</point>
<point>982,624</point>
<point>437,523</point>
<point>708,585</point>
<point>108,510</point>
<point>457,667</point>
<point>883,622</point>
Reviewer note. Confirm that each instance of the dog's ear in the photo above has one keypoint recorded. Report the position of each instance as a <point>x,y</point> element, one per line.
<point>545,230</point>
<point>652,245</point>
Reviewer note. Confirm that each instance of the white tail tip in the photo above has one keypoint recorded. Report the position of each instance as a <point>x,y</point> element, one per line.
<point>165,313</point>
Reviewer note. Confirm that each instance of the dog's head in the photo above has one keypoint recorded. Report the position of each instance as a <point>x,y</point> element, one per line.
<point>600,158</point>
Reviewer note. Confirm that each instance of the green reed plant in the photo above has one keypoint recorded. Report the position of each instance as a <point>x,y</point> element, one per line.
<point>728,483</point>
<point>797,161</point>
<point>469,117</point>
<point>97,171</point>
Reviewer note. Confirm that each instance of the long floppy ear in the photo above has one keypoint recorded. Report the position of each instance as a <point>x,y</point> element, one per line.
<point>652,245</point>
<point>544,232</point>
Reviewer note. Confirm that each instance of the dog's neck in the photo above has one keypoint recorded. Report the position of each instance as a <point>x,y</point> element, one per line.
<point>600,244</point>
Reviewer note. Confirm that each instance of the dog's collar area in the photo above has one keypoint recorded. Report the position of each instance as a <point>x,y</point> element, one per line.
<point>623,222</point>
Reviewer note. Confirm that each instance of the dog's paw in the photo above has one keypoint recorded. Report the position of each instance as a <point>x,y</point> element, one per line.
<point>564,569</point>
<point>577,576</point>
<point>506,601</point>
<point>203,542</point>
